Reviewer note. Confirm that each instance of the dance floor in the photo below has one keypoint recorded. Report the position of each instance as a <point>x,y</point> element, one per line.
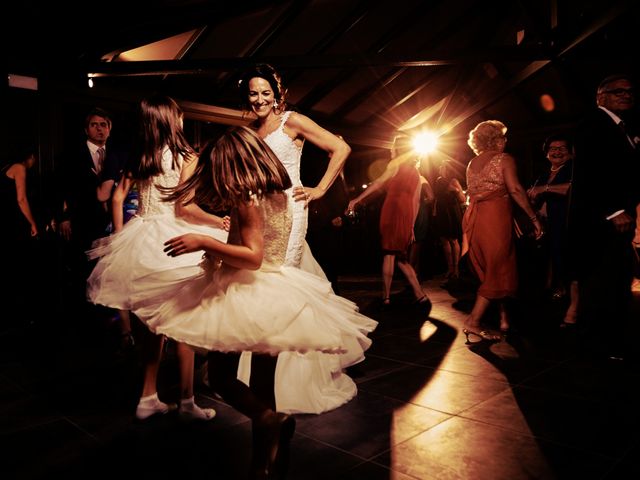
<point>429,406</point>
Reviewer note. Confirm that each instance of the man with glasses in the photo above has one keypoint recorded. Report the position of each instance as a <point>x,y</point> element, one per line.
<point>605,192</point>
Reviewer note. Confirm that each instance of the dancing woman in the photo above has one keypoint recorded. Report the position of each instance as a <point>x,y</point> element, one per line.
<point>311,383</point>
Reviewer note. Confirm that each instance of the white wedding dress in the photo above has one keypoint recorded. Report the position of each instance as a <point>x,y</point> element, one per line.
<point>313,382</point>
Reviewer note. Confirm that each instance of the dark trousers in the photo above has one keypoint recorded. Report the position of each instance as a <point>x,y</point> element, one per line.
<point>605,296</point>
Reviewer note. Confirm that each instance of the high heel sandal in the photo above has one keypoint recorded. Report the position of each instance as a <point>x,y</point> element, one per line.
<point>484,336</point>
<point>386,303</point>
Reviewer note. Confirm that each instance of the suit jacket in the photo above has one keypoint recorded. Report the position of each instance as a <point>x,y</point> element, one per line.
<point>78,182</point>
<point>606,178</point>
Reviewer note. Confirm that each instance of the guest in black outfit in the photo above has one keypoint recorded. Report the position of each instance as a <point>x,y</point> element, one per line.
<point>550,195</point>
<point>82,217</point>
<point>605,192</point>
<point>19,227</point>
<point>447,213</point>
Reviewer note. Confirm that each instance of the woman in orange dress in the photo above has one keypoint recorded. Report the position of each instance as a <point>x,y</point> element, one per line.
<point>492,184</point>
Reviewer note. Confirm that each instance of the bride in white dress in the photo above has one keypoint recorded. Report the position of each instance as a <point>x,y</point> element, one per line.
<point>313,382</point>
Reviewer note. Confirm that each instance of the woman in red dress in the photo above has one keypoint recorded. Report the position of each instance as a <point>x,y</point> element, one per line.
<point>492,184</point>
<point>402,183</point>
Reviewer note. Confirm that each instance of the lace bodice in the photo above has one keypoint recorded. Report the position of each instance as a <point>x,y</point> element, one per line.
<point>277,228</point>
<point>286,150</point>
<point>488,179</point>
<point>150,201</point>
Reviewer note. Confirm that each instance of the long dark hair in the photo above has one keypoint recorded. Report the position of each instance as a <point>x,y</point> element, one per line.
<point>235,169</point>
<point>160,128</point>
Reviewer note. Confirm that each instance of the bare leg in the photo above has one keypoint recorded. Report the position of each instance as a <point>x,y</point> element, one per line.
<point>152,355</point>
<point>472,323</point>
<point>446,248</point>
<point>268,426</point>
<point>504,318</point>
<point>149,403</point>
<point>125,322</point>
<point>185,364</point>
<point>408,271</point>
<point>415,254</point>
<point>388,263</point>
<point>455,256</point>
<point>126,340</point>
<point>572,312</point>
<point>188,407</point>
<point>479,308</point>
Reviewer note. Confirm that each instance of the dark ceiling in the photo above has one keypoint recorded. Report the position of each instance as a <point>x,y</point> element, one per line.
<point>362,68</point>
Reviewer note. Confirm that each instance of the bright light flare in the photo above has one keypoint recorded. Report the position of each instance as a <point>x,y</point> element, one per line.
<point>425,143</point>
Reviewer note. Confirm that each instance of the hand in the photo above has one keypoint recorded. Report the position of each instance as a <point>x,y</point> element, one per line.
<point>34,231</point>
<point>187,243</point>
<point>65,229</point>
<point>226,223</point>
<point>537,229</point>
<point>307,194</point>
<point>351,208</point>
<point>533,192</point>
<point>336,222</point>
<point>623,222</point>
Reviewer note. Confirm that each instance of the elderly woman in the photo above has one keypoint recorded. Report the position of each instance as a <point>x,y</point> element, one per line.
<point>492,183</point>
<point>551,194</point>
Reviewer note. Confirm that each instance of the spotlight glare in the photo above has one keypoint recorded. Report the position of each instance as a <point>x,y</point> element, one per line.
<point>425,142</point>
<point>90,82</point>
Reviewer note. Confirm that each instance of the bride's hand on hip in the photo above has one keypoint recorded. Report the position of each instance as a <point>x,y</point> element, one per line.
<point>306,194</point>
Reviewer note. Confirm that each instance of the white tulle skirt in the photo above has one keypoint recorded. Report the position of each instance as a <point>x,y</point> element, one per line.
<point>133,268</point>
<point>271,310</point>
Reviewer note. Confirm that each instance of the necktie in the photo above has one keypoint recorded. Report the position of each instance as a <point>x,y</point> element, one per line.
<point>100,156</point>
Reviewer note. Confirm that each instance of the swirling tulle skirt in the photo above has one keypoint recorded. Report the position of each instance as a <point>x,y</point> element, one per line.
<point>271,310</point>
<point>133,268</point>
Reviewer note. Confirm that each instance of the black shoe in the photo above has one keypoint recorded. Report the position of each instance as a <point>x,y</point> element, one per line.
<point>423,305</point>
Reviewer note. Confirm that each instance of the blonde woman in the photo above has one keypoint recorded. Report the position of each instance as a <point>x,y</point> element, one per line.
<point>492,184</point>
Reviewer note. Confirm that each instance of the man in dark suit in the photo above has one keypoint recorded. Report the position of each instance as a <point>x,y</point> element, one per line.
<point>82,216</point>
<point>605,192</point>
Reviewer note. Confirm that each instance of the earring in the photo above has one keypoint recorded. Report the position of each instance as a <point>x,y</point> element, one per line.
<point>275,105</point>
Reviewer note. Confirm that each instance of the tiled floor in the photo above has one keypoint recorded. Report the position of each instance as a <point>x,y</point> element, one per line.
<point>429,406</point>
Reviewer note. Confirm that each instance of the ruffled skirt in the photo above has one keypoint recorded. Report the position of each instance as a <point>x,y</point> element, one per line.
<point>133,268</point>
<point>271,310</point>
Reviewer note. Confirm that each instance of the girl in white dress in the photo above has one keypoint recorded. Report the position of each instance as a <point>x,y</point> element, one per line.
<point>310,383</point>
<point>247,298</point>
<point>133,266</point>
